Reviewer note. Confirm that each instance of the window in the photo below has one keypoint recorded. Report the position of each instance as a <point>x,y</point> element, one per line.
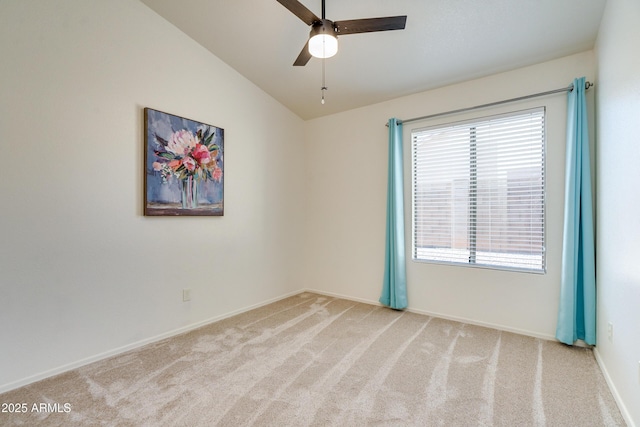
<point>478,192</point>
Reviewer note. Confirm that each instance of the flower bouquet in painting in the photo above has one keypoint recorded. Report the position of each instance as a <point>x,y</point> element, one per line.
<point>184,166</point>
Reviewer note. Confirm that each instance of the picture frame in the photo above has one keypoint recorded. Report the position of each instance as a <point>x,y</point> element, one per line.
<point>184,166</point>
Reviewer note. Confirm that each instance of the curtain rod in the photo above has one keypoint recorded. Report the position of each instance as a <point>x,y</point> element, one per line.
<point>569,88</point>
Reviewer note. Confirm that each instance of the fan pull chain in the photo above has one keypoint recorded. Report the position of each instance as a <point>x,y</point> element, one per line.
<point>324,85</point>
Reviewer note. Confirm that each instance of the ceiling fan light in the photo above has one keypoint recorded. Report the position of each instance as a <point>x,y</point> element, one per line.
<point>323,43</point>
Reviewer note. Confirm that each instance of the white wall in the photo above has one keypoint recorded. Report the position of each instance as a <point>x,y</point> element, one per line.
<point>346,200</point>
<point>618,225</point>
<point>82,272</point>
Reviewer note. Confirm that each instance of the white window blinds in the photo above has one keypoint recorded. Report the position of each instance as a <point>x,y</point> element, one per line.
<point>478,192</point>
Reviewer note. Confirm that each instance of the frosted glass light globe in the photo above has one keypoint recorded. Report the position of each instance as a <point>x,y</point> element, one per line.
<point>323,45</point>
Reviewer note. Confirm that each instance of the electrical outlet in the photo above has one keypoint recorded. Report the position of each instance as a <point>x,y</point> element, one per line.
<point>610,331</point>
<point>186,295</point>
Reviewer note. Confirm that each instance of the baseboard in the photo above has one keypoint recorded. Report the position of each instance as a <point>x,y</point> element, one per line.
<point>445,316</point>
<point>497,326</point>
<point>110,353</point>
<point>613,389</point>
<point>347,297</point>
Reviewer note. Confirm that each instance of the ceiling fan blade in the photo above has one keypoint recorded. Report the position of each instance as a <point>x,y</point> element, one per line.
<point>369,25</point>
<point>300,11</point>
<point>304,56</point>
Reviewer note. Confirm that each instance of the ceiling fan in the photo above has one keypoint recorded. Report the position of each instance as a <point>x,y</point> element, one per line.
<point>323,39</point>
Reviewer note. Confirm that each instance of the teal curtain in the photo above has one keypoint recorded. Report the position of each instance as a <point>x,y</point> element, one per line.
<point>394,289</point>
<point>577,310</point>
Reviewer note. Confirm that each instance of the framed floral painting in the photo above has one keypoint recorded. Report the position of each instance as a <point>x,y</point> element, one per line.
<point>184,166</point>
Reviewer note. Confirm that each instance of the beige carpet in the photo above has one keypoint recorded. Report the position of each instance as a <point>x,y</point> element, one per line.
<point>322,361</point>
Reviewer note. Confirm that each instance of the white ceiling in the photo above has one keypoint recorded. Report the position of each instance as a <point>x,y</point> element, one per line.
<point>445,42</point>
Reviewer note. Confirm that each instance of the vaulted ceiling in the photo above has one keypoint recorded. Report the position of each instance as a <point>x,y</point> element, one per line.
<point>445,42</point>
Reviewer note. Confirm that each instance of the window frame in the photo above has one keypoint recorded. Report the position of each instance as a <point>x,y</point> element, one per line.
<point>478,121</point>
